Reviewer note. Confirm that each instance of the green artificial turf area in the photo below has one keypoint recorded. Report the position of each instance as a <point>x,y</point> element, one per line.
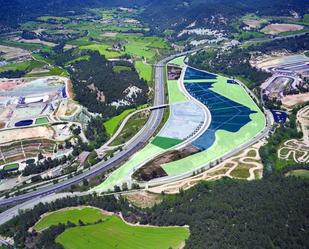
<point>144,70</point>
<point>174,92</point>
<point>178,61</point>
<point>86,215</point>
<point>11,167</point>
<point>165,142</point>
<point>119,175</point>
<point>175,95</point>
<point>114,233</point>
<point>41,121</point>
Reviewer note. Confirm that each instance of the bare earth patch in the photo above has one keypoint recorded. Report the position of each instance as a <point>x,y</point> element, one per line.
<point>291,100</point>
<point>35,41</point>
<point>26,133</point>
<point>253,23</point>
<point>109,34</point>
<point>276,28</point>
<point>143,199</point>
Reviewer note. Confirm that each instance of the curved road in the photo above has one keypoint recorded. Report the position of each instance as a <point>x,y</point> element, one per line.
<point>103,166</point>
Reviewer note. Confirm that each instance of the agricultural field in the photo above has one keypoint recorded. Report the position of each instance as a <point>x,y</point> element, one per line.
<point>110,231</point>
<point>112,37</point>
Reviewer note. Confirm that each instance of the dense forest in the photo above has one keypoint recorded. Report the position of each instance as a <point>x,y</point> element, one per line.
<point>216,14</point>
<point>268,213</point>
<point>97,86</point>
<point>160,14</point>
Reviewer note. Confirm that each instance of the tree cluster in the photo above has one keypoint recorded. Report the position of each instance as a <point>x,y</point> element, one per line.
<point>97,85</point>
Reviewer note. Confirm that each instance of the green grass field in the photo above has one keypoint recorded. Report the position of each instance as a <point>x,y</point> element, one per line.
<point>144,70</point>
<point>112,124</point>
<point>114,233</point>
<point>132,127</point>
<point>86,214</point>
<point>11,167</point>
<point>57,18</point>
<point>41,121</point>
<point>102,49</point>
<point>178,61</point>
<point>241,171</point>
<point>303,173</point>
<point>119,69</point>
<point>24,66</point>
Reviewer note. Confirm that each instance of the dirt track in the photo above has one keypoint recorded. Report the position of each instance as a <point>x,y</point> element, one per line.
<point>222,170</point>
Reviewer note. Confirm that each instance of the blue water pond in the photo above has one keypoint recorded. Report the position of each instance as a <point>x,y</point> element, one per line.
<point>26,122</point>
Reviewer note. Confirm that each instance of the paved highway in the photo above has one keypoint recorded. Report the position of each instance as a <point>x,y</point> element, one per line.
<point>103,166</point>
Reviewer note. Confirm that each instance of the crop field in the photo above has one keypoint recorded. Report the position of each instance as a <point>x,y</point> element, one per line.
<point>56,18</point>
<point>22,149</point>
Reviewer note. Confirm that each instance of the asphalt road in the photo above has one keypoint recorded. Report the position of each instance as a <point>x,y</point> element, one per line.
<point>103,166</point>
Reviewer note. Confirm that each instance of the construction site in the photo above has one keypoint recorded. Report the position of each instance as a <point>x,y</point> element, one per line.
<point>35,117</point>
